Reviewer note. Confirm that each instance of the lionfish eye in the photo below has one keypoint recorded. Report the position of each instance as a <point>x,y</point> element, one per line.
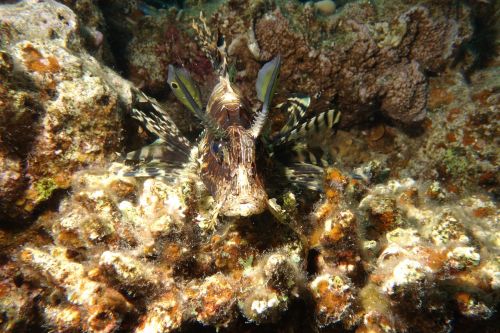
<point>217,150</point>
<point>216,147</point>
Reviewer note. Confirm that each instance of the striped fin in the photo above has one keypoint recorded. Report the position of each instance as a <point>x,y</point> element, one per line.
<point>148,111</point>
<point>212,45</point>
<point>302,154</point>
<point>316,124</point>
<point>296,106</point>
<point>157,151</point>
<point>153,170</point>
<point>305,176</point>
<point>155,160</point>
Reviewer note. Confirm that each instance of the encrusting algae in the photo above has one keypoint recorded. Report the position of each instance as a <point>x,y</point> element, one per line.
<point>314,169</point>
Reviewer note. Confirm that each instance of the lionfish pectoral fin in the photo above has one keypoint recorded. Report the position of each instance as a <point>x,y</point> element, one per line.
<point>184,88</point>
<point>157,121</point>
<point>316,124</point>
<point>267,80</point>
<point>153,170</point>
<point>159,151</point>
<point>305,176</point>
<point>188,93</point>
<point>295,106</point>
<point>265,85</point>
<point>301,153</point>
<point>155,160</point>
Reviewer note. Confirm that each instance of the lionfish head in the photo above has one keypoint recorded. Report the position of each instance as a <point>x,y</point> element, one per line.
<point>229,163</point>
<point>233,172</point>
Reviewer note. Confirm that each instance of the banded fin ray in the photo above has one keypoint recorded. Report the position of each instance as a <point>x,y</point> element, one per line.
<point>267,81</point>
<point>316,124</point>
<point>305,176</point>
<point>157,151</point>
<point>296,106</point>
<point>153,170</point>
<point>151,115</point>
<point>155,160</point>
<point>302,154</point>
<point>212,45</point>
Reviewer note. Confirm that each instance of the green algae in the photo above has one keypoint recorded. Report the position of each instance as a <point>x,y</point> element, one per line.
<point>454,162</point>
<point>45,187</point>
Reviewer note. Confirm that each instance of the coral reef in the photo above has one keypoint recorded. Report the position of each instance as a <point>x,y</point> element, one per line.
<point>377,61</point>
<point>405,236</point>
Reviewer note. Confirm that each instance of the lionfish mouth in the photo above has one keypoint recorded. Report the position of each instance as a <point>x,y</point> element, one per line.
<point>244,208</point>
<point>244,196</point>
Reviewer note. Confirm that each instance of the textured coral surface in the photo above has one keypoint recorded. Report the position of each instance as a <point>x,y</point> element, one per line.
<point>404,237</point>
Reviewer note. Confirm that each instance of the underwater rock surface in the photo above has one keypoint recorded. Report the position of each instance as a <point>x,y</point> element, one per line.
<point>60,107</point>
<point>405,236</point>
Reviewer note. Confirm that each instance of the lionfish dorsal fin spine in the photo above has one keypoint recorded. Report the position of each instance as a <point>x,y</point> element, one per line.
<point>212,44</point>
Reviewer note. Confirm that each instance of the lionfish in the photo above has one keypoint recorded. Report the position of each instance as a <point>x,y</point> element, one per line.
<point>235,153</point>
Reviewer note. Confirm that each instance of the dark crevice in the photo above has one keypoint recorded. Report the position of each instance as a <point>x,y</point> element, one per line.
<point>312,262</point>
<point>118,36</point>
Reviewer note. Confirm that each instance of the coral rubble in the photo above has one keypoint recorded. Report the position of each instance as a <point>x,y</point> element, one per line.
<point>405,236</point>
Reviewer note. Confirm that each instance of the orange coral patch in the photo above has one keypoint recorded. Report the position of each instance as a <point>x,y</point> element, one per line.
<point>434,259</point>
<point>322,287</point>
<point>468,139</point>
<point>483,212</point>
<point>36,62</point>
<point>334,175</point>
<point>386,220</point>
<point>335,234</point>
<point>482,97</point>
<point>453,114</point>
<point>451,137</point>
<point>332,194</point>
<point>439,97</point>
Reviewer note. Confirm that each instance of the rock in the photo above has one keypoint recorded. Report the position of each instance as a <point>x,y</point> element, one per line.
<point>325,7</point>
<point>61,110</point>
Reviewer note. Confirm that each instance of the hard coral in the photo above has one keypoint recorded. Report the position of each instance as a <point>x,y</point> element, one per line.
<point>366,71</point>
